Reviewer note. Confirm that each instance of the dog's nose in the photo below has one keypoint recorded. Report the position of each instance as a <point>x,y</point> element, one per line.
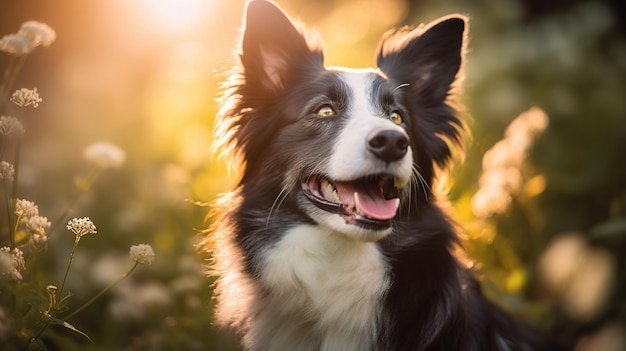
<point>388,144</point>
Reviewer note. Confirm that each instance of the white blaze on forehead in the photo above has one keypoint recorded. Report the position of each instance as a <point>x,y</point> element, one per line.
<point>350,158</point>
<point>360,83</point>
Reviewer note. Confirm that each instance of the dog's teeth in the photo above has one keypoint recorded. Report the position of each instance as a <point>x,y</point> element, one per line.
<point>334,196</point>
<point>329,191</point>
<point>357,204</point>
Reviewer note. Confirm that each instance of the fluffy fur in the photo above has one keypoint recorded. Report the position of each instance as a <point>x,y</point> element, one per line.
<point>333,239</point>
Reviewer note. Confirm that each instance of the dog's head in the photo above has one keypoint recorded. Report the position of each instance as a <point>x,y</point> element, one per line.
<point>352,149</point>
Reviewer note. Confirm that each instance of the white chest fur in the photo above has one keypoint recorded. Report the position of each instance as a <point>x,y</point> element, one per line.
<point>324,292</point>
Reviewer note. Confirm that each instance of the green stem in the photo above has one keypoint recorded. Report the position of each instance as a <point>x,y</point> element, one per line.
<point>102,292</point>
<point>5,80</point>
<point>69,264</point>
<point>17,223</point>
<point>46,315</point>
<point>4,188</point>
<point>45,325</point>
<point>8,207</point>
<point>10,74</point>
<point>16,167</point>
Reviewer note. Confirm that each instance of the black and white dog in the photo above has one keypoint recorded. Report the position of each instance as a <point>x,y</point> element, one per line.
<point>333,239</point>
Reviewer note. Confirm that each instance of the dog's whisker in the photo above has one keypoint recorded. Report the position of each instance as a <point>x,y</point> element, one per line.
<point>401,86</point>
<point>317,169</point>
<point>282,195</point>
<point>424,184</point>
<point>410,190</point>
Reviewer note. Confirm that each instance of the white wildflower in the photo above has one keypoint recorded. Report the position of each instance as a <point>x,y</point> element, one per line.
<point>502,178</point>
<point>6,171</point>
<point>25,208</point>
<point>81,226</point>
<point>31,35</point>
<point>16,45</point>
<point>26,97</point>
<point>17,263</point>
<point>37,224</point>
<point>142,253</point>
<point>10,126</point>
<point>37,33</point>
<point>6,262</point>
<point>105,155</point>
<point>40,241</point>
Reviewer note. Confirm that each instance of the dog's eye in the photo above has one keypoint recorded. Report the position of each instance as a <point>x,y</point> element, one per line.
<point>325,111</point>
<point>396,118</point>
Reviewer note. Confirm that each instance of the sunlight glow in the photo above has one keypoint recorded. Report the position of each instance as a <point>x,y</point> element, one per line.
<point>174,16</point>
<point>350,22</point>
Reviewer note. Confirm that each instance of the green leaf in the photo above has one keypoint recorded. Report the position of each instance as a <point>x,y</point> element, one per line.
<point>71,327</point>
<point>65,324</point>
<point>21,237</point>
<point>611,229</point>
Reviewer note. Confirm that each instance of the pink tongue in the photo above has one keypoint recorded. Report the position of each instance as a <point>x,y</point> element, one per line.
<point>376,207</point>
<point>371,202</point>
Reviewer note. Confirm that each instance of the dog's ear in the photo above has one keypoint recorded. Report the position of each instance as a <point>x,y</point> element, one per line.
<point>427,59</point>
<point>274,47</point>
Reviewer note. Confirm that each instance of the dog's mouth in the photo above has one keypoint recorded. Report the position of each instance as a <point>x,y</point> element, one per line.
<point>370,201</point>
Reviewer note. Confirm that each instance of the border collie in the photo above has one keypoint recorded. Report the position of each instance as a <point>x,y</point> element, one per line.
<point>332,239</point>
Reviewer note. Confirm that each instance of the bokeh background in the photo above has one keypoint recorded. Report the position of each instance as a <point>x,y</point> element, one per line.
<point>541,193</point>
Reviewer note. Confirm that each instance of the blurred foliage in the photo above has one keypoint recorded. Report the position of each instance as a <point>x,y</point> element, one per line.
<point>144,75</point>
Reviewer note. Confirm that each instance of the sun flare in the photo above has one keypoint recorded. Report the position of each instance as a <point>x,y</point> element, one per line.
<point>174,16</point>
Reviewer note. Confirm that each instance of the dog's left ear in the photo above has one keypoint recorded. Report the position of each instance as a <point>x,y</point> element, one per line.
<point>427,59</point>
<point>274,47</point>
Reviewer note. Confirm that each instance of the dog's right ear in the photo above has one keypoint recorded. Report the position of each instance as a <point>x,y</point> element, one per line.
<point>427,59</point>
<point>273,47</point>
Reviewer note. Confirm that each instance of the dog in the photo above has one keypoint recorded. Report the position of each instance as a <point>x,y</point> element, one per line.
<point>333,239</point>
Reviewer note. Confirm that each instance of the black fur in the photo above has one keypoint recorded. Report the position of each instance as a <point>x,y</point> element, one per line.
<point>433,303</point>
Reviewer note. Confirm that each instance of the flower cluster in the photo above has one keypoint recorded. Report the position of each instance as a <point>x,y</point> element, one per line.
<point>30,35</point>
<point>580,274</point>
<point>6,171</point>
<point>25,208</point>
<point>37,33</point>
<point>81,226</point>
<point>16,45</point>
<point>502,164</point>
<point>12,263</point>
<point>37,226</point>
<point>6,261</point>
<point>142,254</point>
<point>10,126</point>
<point>105,155</point>
<point>26,97</point>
